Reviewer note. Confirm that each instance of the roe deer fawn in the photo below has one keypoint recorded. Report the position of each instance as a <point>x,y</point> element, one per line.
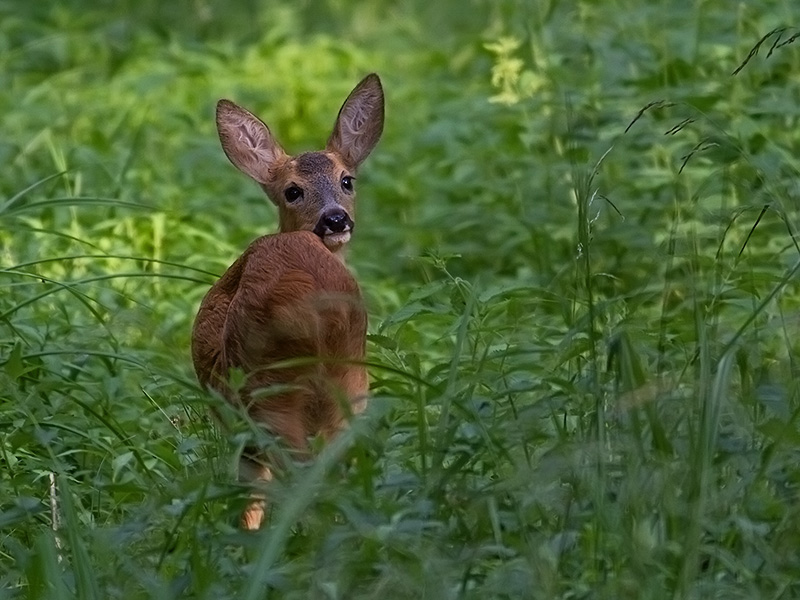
<point>290,296</point>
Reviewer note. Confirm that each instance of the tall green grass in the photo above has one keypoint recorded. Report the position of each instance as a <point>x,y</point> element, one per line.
<point>578,245</point>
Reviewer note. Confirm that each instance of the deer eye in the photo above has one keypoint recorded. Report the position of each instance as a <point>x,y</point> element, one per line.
<point>292,193</point>
<point>347,183</point>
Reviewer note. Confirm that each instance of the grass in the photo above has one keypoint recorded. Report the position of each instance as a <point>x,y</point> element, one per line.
<point>578,244</point>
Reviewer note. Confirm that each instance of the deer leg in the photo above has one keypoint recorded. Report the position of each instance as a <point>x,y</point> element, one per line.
<point>254,471</point>
<point>254,468</point>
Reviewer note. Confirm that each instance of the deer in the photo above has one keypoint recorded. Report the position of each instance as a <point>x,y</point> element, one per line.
<point>288,314</point>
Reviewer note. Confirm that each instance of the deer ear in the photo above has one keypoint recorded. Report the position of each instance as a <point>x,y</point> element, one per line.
<point>247,142</point>
<point>360,122</point>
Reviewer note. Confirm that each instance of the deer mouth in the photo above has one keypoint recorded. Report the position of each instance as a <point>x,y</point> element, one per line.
<point>335,240</point>
<point>334,229</point>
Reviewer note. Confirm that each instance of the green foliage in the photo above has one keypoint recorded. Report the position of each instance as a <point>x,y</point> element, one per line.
<point>578,244</point>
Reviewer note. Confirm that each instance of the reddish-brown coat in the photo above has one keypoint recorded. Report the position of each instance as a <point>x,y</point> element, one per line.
<point>287,297</point>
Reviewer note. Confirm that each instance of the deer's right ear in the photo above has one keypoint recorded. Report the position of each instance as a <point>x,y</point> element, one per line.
<point>360,122</point>
<point>247,142</point>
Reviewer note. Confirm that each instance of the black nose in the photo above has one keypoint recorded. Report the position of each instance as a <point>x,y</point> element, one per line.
<point>337,221</point>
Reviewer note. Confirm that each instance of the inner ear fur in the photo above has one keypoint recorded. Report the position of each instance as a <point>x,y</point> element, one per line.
<point>359,124</point>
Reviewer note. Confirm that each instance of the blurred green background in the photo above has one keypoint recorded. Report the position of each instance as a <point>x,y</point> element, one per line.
<point>577,240</point>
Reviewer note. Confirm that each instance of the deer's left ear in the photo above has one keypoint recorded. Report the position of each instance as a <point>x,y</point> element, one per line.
<point>360,122</point>
<point>247,141</point>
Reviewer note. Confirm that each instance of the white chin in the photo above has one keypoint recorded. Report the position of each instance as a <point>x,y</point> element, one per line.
<point>335,240</point>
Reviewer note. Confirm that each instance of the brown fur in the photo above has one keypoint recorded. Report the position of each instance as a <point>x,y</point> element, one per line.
<point>286,297</point>
<point>289,297</point>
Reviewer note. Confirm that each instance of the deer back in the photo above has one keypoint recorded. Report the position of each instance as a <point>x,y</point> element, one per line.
<point>287,299</point>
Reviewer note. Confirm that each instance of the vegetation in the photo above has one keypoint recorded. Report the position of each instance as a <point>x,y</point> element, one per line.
<point>578,243</point>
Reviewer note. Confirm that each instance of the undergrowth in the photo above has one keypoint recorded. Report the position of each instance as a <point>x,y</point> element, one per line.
<point>577,240</point>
